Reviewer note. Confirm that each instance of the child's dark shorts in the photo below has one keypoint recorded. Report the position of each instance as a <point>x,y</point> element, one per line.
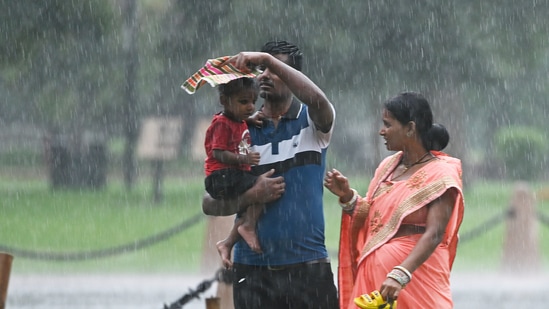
<point>229,183</point>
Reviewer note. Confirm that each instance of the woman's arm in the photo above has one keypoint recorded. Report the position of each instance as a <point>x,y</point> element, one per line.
<point>438,215</point>
<point>265,190</point>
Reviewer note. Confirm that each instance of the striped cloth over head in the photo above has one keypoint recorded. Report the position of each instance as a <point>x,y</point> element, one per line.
<point>214,73</point>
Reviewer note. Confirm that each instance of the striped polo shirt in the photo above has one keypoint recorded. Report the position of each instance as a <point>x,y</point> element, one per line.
<point>291,230</point>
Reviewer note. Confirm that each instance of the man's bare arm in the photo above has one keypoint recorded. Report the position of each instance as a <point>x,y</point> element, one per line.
<point>320,108</point>
<point>265,190</point>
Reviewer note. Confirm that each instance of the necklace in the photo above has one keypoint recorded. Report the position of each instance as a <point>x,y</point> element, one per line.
<point>417,162</point>
<point>408,166</point>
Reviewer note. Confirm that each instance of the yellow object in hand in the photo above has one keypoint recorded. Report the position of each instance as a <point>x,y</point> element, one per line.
<point>373,300</point>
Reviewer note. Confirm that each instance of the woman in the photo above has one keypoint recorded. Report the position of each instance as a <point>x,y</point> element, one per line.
<point>406,227</point>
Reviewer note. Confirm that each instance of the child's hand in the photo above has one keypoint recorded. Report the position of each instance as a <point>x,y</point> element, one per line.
<point>252,158</point>
<point>256,119</point>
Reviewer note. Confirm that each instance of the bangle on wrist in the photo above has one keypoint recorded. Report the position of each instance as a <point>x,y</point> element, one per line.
<point>350,204</point>
<point>397,278</point>
<point>401,275</point>
<point>404,270</point>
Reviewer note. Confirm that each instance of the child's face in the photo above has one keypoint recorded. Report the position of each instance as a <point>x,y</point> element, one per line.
<point>240,105</point>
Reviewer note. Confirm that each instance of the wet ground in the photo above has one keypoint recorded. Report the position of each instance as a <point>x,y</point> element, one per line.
<point>471,291</point>
<point>102,291</point>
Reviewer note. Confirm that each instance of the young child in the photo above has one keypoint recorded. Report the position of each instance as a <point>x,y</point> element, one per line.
<point>229,159</point>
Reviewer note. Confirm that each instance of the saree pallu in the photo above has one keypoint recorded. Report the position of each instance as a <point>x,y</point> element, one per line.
<point>367,250</point>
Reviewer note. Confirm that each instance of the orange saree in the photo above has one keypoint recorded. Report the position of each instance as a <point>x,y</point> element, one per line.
<point>367,251</point>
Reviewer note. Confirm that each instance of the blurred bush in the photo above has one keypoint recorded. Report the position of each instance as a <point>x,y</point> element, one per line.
<point>522,151</point>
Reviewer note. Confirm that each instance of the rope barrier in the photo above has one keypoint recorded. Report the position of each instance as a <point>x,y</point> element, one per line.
<point>494,221</point>
<point>168,233</point>
<point>102,253</point>
<point>486,226</point>
<point>222,275</point>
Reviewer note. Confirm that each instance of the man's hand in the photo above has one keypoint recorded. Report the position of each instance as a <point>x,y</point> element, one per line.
<point>265,190</point>
<point>247,61</point>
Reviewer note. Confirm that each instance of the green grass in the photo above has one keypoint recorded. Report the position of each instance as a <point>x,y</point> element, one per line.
<point>39,219</point>
<point>482,202</point>
<point>34,217</point>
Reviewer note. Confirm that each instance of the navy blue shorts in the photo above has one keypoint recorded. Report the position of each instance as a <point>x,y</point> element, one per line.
<point>229,183</point>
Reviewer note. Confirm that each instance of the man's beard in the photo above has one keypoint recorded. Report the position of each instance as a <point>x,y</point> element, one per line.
<point>265,95</point>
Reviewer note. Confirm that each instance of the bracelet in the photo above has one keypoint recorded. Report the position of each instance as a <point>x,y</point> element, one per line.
<point>397,278</point>
<point>407,272</point>
<point>400,277</point>
<point>350,204</point>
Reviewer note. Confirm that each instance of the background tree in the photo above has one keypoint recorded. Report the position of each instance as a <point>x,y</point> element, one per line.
<point>54,58</point>
<point>192,33</point>
<point>512,39</point>
<point>131,57</point>
<point>483,65</point>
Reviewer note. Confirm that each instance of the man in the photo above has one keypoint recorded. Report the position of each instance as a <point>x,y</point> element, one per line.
<point>293,270</point>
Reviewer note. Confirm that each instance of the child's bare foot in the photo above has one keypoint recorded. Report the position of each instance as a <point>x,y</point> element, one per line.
<point>247,232</point>
<point>224,250</point>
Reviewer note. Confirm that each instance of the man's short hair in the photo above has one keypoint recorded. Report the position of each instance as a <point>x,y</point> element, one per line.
<point>295,56</point>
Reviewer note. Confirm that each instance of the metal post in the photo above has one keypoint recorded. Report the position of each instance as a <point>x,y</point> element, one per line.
<point>5,269</point>
<point>158,176</point>
<point>213,303</point>
<point>217,229</point>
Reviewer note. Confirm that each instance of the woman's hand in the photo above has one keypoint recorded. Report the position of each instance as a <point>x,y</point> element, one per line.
<point>390,289</point>
<point>338,184</point>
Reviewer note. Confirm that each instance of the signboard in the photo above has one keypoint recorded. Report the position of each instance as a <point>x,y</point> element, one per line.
<point>198,153</point>
<point>160,138</point>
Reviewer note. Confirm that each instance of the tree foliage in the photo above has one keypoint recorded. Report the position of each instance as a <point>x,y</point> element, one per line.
<point>52,56</point>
